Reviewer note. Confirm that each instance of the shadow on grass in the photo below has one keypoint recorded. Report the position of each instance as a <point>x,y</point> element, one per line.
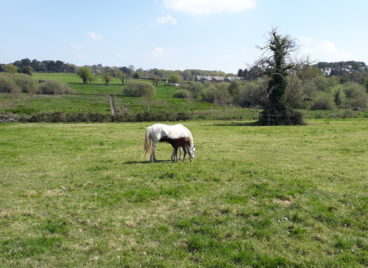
<point>237,124</point>
<point>145,162</point>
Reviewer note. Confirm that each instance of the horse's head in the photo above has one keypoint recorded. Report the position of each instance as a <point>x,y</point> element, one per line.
<point>191,151</point>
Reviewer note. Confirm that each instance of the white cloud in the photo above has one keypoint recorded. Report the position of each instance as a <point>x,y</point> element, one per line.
<point>166,19</point>
<point>94,36</point>
<point>202,7</point>
<point>158,52</point>
<point>324,50</point>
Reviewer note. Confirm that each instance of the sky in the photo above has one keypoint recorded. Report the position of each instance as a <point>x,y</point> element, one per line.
<point>179,34</point>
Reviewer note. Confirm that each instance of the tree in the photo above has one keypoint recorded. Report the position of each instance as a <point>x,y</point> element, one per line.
<point>156,80</point>
<point>277,65</point>
<point>107,78</point>
<point>240,73</point>
<point>222,96</point>
<point>148,96</point>
<point>174,79</point>
<point>85,74</point>
<point>10,68</point>
<point>92,78</point>
<point>137,88</point>
<point>136,75</point>
<point>121,76</point>
<point>26,70</point>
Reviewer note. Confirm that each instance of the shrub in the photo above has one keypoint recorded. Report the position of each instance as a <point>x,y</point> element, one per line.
<point>356,96</point>
<point>137,89</point>
<point>322,83</point>
<point>182,94</point>
<point>251,94</point>
<point>69,117</point>
<point>208,94</point>
<point>339,97</point>
<point>7,84</point>
<point>54,87</point>
<point>223,96</point>
<point>234,88</point>
<point>323,101</point>
<point>195,88</point>
<point>25,82</point>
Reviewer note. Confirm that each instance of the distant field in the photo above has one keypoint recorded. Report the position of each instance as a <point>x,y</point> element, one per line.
<point>68,78</point>
<point>34,103</point>
<point>80,195</point>
<point>91,98</point>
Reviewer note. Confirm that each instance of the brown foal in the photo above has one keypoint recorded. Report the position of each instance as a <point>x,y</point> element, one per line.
<point>183,143</point>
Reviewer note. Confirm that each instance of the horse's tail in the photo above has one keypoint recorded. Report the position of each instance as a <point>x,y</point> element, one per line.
<point>147,143</point>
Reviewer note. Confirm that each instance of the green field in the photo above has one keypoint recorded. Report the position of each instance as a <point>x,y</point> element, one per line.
<point>92,98</point>
<point>35,103</point>
<point>80,195</point>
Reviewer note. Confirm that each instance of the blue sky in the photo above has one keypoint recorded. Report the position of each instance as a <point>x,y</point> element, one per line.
<point>179,34</point>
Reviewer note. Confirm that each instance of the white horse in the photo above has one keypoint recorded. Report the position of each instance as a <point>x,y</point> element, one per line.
<point>177,135</point>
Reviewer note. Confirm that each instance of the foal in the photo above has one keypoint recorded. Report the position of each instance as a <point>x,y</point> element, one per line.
<point>183,143</point>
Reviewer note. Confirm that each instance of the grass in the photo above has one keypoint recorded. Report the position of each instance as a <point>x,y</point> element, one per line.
<point>92,98</point>
<point>80,195</point>
<point>35,103</point>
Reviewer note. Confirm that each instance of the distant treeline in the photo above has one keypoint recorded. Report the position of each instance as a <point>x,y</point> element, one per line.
<point>353,71</point>
<point>50,66</point>
<point>47,66</point>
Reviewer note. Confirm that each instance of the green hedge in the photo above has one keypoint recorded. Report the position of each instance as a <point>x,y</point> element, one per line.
<point>163,116</point>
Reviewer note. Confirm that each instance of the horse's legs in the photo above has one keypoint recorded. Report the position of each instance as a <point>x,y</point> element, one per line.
<point>152,156</point>
<point>174,155</point>
<point>185,152</point>
<point>180,153</point>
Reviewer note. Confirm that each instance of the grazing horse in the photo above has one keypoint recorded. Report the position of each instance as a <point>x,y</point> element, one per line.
<point>177,144</point>
<point>177,135</point>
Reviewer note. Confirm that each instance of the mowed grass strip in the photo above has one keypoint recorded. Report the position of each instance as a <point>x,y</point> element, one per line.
<point>81,195</point>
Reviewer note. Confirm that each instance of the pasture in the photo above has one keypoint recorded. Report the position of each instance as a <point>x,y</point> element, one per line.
<point>80,195</point>
<point>93,98</point>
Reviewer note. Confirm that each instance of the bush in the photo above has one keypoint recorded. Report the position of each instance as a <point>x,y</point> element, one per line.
<point>322,83</point>
<point>69,117</point>
<point>251,94</point>
<point>137,89</point>
<point>54,87</point>
<point>182,94</point>
<point>25,82</point>
<point>7,84</point>
<point>208,93</point>
<point>195,88</point>
<point>323,101</point>
<point>339,97</point>
<point>356,96</point>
